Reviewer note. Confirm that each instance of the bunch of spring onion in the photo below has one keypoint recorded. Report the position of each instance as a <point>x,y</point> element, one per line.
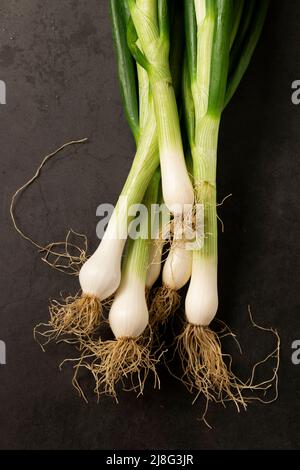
<point>219,38</point>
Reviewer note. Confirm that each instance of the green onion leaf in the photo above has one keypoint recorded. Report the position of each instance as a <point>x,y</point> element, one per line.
<point>126,66</point>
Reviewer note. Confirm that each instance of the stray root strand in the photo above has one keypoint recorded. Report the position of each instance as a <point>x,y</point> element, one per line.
<point>63,256</point>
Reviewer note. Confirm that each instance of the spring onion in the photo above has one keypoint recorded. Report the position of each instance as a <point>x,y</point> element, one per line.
<point>129,354</point>
<point>208,86</point>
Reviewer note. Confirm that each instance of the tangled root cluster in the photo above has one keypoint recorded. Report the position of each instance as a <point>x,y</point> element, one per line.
<point>163,305</point>
<point>208,371</point>
<point>117,362</point>
<point>78,316</point>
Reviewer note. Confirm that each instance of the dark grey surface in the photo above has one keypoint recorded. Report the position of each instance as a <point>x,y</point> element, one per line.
<point>56,59</point>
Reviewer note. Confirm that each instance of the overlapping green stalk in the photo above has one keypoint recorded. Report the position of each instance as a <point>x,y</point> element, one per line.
<point>221,36</point>
<point>150,39</point>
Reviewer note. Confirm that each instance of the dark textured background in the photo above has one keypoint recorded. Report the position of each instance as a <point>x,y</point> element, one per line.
<point>56,58</point>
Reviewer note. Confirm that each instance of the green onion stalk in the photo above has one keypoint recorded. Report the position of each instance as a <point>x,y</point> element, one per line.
<point>150,38</point>
<point>213,29</point>
<point>149,34</point>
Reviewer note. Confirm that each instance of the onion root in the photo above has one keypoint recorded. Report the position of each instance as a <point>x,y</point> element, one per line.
<point>115,362</point>
<point>207,371</point>
<point>78,316</point>
<point>163,305</point>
